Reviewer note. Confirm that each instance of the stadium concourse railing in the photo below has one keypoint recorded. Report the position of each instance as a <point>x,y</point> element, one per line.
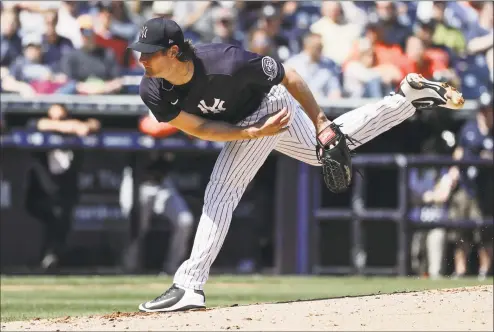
<point>131,105</point>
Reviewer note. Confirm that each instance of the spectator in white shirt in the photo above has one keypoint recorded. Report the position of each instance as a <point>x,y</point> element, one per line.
<point>195,18</point>
<point>338,36</point>
<point>67,25</point>
<point>321,74</point>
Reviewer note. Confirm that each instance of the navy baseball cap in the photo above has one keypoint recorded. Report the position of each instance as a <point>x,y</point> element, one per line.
<point>158,34</point>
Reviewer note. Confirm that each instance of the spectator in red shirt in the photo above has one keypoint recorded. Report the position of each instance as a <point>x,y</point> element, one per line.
<point>388,59</point>
<point>420,61</point>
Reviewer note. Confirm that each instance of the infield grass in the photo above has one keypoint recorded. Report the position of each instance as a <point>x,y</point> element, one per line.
<point>30,297</point>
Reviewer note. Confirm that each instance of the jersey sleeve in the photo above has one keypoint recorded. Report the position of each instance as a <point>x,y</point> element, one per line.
<point>253,68</point>
<point>162,110</point>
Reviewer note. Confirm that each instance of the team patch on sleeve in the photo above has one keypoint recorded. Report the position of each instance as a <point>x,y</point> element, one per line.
<point>270,67</point>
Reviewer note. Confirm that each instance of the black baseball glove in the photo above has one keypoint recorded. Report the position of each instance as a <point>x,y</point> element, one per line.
<point>335,157</point>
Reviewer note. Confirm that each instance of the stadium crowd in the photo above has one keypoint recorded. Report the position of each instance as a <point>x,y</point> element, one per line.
<point>347,49</point>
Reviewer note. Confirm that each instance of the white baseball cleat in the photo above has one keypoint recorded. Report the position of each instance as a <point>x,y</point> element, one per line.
<point>423,93</point>
<point>175,299</point>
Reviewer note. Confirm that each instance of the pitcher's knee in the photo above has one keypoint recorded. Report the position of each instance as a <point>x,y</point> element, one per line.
<point>404,104</point>
<point>220,192</point>
<point>396,110</point>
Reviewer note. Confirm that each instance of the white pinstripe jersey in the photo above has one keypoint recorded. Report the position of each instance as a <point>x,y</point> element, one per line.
<point>228,84</point>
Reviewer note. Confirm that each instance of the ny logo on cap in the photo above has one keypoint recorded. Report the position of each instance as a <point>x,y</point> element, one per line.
<point>144,32</point>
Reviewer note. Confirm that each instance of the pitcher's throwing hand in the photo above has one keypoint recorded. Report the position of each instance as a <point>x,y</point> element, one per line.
<point>271,124</point>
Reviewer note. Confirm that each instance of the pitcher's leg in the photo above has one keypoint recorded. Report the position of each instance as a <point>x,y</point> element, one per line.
<point>237,164</point>
<point>299,142</point>
<point>371,120</point>
<point>361,124</point>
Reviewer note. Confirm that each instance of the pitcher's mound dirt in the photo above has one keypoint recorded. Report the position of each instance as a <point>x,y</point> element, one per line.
<point>462,309</point>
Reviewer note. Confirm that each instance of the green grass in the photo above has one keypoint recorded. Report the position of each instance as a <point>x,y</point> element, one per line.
<point>24,298</point>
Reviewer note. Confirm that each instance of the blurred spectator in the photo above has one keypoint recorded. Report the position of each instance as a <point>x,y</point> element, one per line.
<point>437,53</point>
<point>361,78</point>
<point>163,9</point>
<point>158,196</point>
<point>52,182</point>
<point>419,61</point>
<point>470,190</point>
<point>430,243</point>
<point>300,15</point>
<point>338,35</point>
<point>105,38</point>
<point>270,21</point>
<point>121,24</point>
<point>11,44</point>
<point>93,69</point>
<point>353,13</point>
<point>224,26</point>
<point>259,42</point>
<point>462,14</point>
<point>445,34</point>
<point>54,46</point>
<point>480,36</point>
<point>31,14</point>
<point>392,30</point>
<point>297,17</point>
<point>318,72</point>
<point>481,27</point>
<point>372,69</point>
<point>195,19</point>
<point>457,14</point>
<point>30,74</point>
<point>68,25</point>
<point>139,11</point>
<point>250,11</point>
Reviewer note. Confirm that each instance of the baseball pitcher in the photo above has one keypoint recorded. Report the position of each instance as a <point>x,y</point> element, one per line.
<point>221,92</point>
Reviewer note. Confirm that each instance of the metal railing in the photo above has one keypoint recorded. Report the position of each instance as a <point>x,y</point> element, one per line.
<point>358,213</point>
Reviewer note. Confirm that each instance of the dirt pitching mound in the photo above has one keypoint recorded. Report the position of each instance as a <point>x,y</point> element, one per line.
<point>461,309</point>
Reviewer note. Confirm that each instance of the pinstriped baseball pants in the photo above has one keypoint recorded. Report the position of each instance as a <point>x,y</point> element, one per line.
<point>240,160</point>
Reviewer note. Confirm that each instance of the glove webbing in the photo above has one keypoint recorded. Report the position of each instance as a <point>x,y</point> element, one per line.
<point>350,140</point>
